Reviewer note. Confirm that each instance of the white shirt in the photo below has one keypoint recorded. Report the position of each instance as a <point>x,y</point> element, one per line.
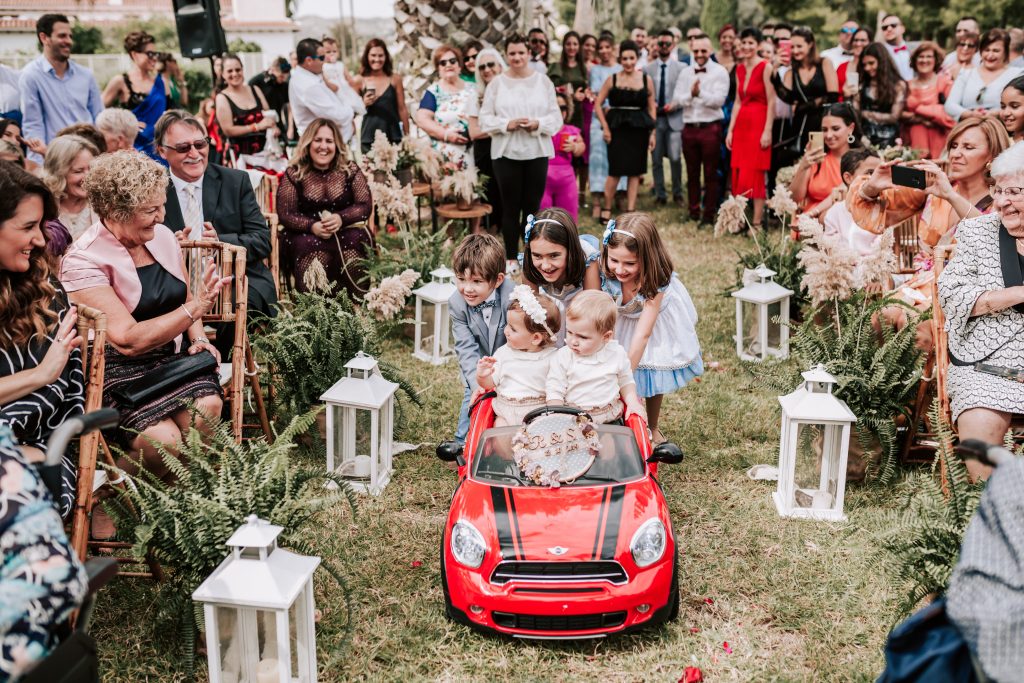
<point>311,99</point>
<point>538,66</point>
<point>901,55</point>
<point>521,374</point>
<point>837,55</point>
<point>970,92</point>
<point>10,100</point>
<point>180,189</point>
<point>508,98</point>
<point>950,60</point>
<point>336,73</point>
<point>714,88</point>
<point>592,381</point>
<point>839,221</point>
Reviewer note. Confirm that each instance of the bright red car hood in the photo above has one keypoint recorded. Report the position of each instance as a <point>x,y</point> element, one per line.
<point>534,523</point>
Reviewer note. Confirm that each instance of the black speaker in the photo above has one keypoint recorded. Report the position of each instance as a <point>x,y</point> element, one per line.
<point>200,33</point>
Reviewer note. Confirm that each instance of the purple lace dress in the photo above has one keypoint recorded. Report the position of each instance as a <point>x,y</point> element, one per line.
<point>344,192</point>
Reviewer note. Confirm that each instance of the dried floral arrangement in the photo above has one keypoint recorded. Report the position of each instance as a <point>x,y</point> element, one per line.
<point>388,298</point>
<point>783,204</point>
<point>732,216</point>
<point>466,184</point>
<point>394,202</point>
<point>785,175</point>
<point>834,270</point>
<point>411,152</point>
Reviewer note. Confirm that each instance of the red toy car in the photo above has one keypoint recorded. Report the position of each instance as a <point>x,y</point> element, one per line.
<point>592,557</point>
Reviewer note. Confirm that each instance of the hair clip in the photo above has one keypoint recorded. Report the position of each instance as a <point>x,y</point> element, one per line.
<point>611,229</point>
<point>530,221</point>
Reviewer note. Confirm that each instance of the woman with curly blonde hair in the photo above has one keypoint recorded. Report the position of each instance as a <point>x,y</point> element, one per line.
<point>41,381</point>
<point>322,198</point>
<point>129,266</point>
<point>64,167</point>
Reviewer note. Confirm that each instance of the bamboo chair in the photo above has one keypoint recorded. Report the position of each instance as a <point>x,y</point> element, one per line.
<point>943,254</point>
<point>905,245</point>
<point>92,328</point>
<point>230,307</point>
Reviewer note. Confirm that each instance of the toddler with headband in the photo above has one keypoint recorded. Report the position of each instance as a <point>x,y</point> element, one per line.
<point>518,370</point>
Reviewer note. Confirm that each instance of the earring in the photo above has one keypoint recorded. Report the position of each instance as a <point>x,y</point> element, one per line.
<point>851,139</point>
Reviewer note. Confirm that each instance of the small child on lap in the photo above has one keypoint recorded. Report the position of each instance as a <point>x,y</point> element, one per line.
<point>518,370</point>
<point>592,371</point>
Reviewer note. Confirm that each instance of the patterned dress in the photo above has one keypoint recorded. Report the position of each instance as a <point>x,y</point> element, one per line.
<point>41,579</point>
<point>33,417</point>
<point>452,110</point>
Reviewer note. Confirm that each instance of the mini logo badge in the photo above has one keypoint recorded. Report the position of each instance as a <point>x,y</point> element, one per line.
<point>558,550</point>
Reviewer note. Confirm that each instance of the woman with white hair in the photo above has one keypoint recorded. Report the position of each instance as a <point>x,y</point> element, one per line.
<point>982,296</point>
<point>489,66</point>
<point>67,161</point>
<point>119,128</point>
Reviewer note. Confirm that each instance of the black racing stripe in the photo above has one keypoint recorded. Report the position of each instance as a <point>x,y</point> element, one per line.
<point>611,529</point>
<point>600,516</point>
<point>501,522</point>
<point>517,538</point>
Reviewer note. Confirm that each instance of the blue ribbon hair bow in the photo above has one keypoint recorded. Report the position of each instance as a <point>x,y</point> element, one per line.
<point>608,232</point>
<point>530,220</point>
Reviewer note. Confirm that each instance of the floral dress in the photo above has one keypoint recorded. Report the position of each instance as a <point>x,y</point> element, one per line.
<point>452,110</point>
<point>41,579</point>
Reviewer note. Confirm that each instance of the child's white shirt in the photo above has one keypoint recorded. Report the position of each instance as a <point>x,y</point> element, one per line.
<point>521,374</point>
<point>592,381</point>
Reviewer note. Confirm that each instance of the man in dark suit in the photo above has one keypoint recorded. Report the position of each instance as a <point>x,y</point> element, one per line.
<point>211,202</point>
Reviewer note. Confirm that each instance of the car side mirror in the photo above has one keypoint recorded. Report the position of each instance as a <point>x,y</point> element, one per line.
<point>668,453</point>
<point>451,451</point>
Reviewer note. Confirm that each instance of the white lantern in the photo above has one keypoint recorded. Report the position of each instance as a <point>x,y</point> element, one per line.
<point>758,336</point>
<point>436,347</point>
<point>360,425</point>
<point>258,607</point>
<point>813,450</point>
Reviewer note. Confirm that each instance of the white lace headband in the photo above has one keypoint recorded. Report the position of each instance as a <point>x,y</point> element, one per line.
<point>531,221</point>
<point>531,307</point>
<point>610,229</point>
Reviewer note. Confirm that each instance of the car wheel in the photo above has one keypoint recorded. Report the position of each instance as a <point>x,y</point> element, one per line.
<point>673,593</point>
<point>444,586</point>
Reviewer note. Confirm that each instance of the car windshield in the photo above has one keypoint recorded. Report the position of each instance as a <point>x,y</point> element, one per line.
<point>619,459</point>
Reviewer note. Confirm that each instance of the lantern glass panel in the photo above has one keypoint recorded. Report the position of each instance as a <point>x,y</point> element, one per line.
<point>352,426</point>
<point>230,638</point>
<point>294,614</point>
<point>817,457</point>
<point>774,328</point>
<point>429,312</point>
<point>751,329</point>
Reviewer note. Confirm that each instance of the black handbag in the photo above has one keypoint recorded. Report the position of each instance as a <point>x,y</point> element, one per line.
<point>168,376</point>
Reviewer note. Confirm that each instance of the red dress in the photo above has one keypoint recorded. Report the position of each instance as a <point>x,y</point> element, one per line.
<point>749,160</point>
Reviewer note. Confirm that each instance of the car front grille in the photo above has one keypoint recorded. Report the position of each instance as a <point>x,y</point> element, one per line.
<point>577,622</point>
<point>611,572</point>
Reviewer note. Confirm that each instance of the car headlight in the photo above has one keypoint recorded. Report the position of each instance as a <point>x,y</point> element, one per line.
<point>648,543</point>
<point>468,545</point>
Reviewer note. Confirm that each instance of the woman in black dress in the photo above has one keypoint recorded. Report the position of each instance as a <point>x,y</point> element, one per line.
<point>808,85</point>
<point>628,125</point>
<point>881,97</point>
<point>41,380</point>
<point>240,110</point>
<point>383,96</point>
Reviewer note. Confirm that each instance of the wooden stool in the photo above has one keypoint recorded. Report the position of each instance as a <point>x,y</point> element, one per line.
<point>452,212</point>
<point>423,190</point>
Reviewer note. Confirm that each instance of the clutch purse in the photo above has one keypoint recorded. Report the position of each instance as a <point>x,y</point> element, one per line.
<point>168,376</point>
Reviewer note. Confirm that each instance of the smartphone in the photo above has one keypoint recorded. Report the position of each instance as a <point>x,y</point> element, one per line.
<point>372,92</point>
<point>852,78</point>
<point>785,50</point>
<point>817,140</point>
<point>909,177</point>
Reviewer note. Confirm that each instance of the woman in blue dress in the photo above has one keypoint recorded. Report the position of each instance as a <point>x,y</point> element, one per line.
<point>141,89</point>
<point>599,73</point>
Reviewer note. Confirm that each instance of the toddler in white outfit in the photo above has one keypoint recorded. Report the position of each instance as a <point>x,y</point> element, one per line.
<point>518,370</point>
<point>592,371</point>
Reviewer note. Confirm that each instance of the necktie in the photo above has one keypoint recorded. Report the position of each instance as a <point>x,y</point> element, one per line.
<point>193,213</point>
<point>661,88</point>
<point>479,308</point>
<point>901,48</point>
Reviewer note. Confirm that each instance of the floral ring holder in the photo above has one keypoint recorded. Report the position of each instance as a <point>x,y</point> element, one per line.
<point>555,449</point>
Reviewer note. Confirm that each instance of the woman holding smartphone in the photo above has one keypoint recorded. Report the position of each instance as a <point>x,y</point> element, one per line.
<point>819,171</point>
<point>846,73</point>
<point>383,95</point>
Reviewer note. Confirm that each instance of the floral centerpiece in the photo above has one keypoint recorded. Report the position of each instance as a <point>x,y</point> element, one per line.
<point>400,160</point>
<point>462,183</point>
<point>387,299</point>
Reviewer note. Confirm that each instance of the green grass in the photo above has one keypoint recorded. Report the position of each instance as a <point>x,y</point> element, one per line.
<point>795,600</point>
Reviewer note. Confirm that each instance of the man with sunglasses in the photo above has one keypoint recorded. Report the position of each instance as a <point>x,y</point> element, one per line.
<point>538,44</point>
<point>967,31</point>
<point>214,203</point>
<point>693,33</point>
<point>843,52</point>
<point>309,95</point>
<point>892,34</point>
<point>664,71</point>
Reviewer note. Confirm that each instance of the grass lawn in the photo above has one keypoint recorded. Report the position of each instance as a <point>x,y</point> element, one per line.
<point>794,600</point>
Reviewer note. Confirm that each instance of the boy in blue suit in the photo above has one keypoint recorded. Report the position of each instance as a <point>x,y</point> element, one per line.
<point>477,310</point>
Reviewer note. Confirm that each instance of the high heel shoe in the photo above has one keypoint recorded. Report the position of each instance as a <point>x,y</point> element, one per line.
<point>606,215</point>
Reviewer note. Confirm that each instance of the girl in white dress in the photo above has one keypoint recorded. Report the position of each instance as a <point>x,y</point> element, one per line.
<point>657,319</point>
<point>518,370</point>
<point>558,261</point>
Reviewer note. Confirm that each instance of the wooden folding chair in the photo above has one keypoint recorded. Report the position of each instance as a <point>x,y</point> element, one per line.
<point>230,307</point>
<point>942,256</point>
<point>92,328</point>
<point>905,245</point>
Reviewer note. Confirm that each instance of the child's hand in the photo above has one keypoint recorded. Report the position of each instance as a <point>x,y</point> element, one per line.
<point>485,367</point>
<point>633,407</point>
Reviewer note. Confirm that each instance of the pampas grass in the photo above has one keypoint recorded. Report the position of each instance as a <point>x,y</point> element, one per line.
<point>732,216</point>
<point>388,298</point>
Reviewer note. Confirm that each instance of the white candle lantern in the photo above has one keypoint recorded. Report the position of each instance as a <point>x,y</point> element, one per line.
<point>434,348</point>
<point>813,450</point>
<point>258,608</point>
<point>758,336</point>
<point>360,425</point>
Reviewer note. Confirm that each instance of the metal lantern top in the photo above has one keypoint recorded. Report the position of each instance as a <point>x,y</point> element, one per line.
<point>440,288</point>
<point>364,387</point>
<point>765,290</point>
<point>813,400</point>
<point>271,579</point>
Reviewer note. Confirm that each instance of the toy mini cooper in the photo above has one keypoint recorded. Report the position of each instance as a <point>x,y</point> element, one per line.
<point>558,528</point>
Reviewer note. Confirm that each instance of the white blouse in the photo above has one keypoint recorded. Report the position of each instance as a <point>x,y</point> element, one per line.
<point>521,374</point>
<point>592,381</point>
<point>508,98</point>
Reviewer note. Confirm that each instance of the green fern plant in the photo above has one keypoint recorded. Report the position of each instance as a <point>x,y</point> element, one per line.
<point>420,250</point>
<point>876,374</point>
<point>779,254</point>
<point>309,344</point>
<point>922,542</point>
<point>184,525</point>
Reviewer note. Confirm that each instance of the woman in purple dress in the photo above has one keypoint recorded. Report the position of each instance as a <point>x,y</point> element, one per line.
<point>323,204</point>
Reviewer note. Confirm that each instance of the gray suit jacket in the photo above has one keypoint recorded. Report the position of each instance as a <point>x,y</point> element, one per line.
<point>672,71</point>
<point>474,338</point>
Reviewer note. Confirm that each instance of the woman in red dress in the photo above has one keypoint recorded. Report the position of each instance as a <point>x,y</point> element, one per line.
<point>750,130</point>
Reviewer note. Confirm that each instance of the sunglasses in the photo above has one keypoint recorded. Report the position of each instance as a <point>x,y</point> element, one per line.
<point>318,58</point>
<point>185,147</point>
<point>887,27</point>
<point>469,57</point>
<point>967,44</point>
<point>488,65</point>
<point>981,94</point>
<point>450,61</point>
<point>152,54</point>
<point>537,41</point>
<point>664,43</point>
<point>848,30</point>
